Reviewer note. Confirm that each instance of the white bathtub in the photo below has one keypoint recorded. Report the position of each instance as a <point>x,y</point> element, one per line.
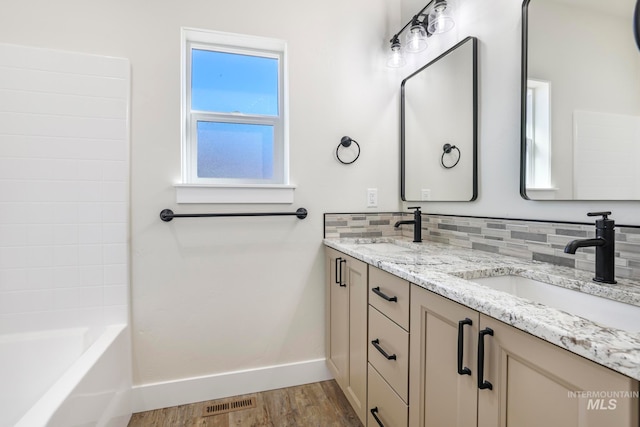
<point>64,378</point>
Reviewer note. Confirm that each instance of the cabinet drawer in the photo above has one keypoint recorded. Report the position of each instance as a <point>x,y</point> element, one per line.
<point>385,403</point>
<point>385,336</point>
<point>383,285</point>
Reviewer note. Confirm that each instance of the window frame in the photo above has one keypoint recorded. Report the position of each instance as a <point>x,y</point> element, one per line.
<point>233,190</point>
<point>538,142</point>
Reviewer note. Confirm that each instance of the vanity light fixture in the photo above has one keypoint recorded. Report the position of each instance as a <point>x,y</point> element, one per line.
<point>440,19</point>
<point>435,18</point>
<point>416,40</point>
<point>396,58</point>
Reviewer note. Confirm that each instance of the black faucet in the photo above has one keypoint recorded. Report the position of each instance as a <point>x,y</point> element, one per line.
<point>417,224</point>
<point>605,244</point>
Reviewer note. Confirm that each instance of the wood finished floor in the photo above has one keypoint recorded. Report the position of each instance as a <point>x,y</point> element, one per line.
<point>319,404</point>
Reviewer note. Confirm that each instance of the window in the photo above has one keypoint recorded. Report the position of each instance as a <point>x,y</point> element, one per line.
<point>538,145</point>
<point>234,138</point>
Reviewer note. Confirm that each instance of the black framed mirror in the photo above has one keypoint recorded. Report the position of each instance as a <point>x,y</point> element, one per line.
<point>439,128</point>
<point>580,134</point>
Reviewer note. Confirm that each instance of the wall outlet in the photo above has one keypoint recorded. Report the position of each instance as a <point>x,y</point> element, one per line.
<point>425,194</point>
<point>372,197</point>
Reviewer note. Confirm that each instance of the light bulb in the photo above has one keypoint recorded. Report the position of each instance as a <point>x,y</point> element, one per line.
<point>440,20</point>
<point>416,40</point>
<point>396,58</point>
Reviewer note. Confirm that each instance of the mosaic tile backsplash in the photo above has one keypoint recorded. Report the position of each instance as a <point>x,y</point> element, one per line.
<point>362,225</point>
<point>532,240</point>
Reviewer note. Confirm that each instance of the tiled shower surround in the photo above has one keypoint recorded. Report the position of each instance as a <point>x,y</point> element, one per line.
<point>532,240</point>
<point>64,190</point>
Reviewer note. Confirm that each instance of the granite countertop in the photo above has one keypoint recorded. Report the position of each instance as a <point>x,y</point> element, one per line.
<point>449,270</point>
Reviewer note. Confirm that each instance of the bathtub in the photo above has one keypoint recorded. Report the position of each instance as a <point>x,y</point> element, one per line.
<point>65,378</point>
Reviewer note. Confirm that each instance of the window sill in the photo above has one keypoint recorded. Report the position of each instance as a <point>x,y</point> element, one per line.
<point>199,193</point>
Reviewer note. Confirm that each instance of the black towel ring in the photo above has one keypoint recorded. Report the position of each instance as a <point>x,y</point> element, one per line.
<point>346,141</point>
<point>446,149</point>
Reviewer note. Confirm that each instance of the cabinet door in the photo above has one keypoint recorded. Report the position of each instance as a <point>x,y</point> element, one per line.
<point>438,395</point>
<point>534,383</point>
<point>356,387</point>
<point>336,318</point>
<point>346,326</point>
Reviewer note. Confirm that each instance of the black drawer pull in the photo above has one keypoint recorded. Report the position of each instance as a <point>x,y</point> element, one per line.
<point>374,411</point>
<point>339,262</point>
<point>378,292</point>
<point>376,344</point>
<point>482,384</point>
<point>461,325</point>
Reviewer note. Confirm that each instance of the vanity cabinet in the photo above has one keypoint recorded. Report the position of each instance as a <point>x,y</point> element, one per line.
<point>388,370</point>
<point>467,369</point>
<point>439,396</point>
<point>346,326</point>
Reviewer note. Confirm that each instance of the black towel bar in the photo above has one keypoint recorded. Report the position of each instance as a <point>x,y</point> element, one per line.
<point>167,214</point>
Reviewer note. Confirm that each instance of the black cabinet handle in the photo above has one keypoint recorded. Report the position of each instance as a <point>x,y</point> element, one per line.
<point>378,292</point>
<point>461,325</point>
<point>339,262</point>
<point>482,384</point>
<point>374,411</point>
<point>376,344</point>
<point>342,261</point>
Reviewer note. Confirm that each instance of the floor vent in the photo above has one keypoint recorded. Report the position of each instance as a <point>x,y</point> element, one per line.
<point>217,408</point>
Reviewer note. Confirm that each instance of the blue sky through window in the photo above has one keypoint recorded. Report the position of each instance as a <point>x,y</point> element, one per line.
<point>229,82</point>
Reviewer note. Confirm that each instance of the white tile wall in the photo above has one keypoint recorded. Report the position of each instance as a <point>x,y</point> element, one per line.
<point>64,176</point>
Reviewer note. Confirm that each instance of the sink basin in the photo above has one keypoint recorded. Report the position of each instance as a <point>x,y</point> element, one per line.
<point>600,310</point>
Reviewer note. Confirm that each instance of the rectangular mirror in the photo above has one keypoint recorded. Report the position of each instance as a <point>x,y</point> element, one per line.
<point>439,128</point>
<point>580,101</point>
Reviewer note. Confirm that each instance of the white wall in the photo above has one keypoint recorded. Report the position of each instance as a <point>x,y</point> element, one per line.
<point>497,24</point>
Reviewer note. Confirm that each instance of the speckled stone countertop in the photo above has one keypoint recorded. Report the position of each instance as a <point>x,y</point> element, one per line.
<point>449,271</point>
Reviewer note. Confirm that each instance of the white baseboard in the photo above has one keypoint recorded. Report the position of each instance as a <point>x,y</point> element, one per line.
<point>147,397</point>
